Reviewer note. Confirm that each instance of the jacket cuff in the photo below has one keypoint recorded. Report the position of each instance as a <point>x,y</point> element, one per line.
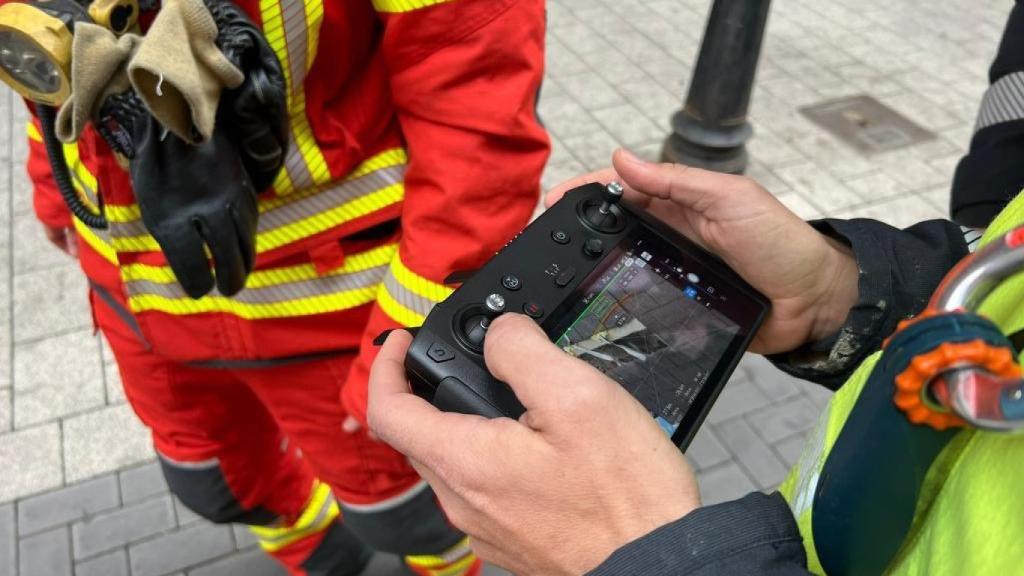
<point>749,536</point>
<point>830,361</point>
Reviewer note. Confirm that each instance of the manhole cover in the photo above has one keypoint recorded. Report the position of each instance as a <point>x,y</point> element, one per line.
<point>866,124</point>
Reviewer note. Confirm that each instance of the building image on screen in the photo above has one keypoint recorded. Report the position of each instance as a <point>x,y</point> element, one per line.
<point>652,335</point>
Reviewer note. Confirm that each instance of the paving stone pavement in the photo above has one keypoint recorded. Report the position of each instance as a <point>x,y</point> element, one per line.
<point>78,490</point>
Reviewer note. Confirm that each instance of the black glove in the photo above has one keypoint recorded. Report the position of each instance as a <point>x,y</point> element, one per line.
<point>256,112</point>
<point>189,196</point>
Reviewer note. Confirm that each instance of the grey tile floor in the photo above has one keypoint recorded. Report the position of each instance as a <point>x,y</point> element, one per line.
<point>78,491</point>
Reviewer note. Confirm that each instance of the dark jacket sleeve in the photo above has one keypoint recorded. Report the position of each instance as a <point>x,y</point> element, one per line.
<point>899,270</point>
<point>756,534</point>
<point>992,173</point>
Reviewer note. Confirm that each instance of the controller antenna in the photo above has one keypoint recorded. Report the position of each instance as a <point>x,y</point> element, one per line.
<point>612,195</point>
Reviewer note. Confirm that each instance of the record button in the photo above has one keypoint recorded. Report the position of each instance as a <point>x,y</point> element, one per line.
<point>533,310</point>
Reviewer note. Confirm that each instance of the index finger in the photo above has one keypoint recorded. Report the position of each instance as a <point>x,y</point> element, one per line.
<point>400,418</point>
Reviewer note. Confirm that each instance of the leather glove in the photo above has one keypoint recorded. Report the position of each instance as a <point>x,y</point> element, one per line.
<point>192,197</point>
<point>256,112</point>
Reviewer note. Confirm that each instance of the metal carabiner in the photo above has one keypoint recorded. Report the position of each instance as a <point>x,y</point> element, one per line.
<point>980,384</point>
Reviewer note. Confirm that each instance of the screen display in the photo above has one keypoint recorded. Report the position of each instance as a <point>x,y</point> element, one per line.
<point>657,322</point>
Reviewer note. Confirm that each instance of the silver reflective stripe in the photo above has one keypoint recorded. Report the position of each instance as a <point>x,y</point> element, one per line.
<point>408,298</point>
<point>289,534</point>
<point>277,293</point>
<point>89,192</point>
<point>127,317</point>
<point>301,208</point>
<point>971,236</point>
<point>390,503</point>
<point>293,16</point>
<point>200,465</point>
<point>1003,102</point>
<point>331,197</point>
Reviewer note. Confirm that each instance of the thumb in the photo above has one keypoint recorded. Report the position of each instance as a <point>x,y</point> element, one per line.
<point>519,354</point>
<point>690,187</point>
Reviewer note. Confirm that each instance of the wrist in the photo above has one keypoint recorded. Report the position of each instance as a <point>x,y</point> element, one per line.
<point>839,291</point>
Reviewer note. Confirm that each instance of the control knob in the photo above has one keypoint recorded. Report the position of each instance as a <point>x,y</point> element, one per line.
<point>476,329</point>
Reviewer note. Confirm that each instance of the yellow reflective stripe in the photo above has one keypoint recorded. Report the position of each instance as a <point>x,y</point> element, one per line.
<point>387,159</point>
<point>283,182</point>
<point>346,200</point>
<point>274,276</point>
<point>276,31</point>
<point>404,5</point>
<point>408,297</point>
<point>321,304</point>
<point>81,179</point>
<point>321,511</point>
<point>456,569</point>
<point>307,143</point>
<point>98,244</point>
<point>304,133</point>
<point>453,562</point>
<point>330,218</point>
<point>418,284</point>
<point>135,244</point>
<point>271,239</point>
<point>33,132</point>
<point>124,214</point>
<point>314,18</point>
<point>277,293</point>
<point>396,311</point>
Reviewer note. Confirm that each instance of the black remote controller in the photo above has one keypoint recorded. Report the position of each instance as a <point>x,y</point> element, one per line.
<point>611,285</point>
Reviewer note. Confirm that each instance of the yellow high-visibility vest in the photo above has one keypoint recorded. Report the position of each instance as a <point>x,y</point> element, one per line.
<point>970,515</point>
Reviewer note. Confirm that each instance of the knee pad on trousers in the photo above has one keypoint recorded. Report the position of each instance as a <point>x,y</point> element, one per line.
<point>202,488</point>
<point>409,524</point>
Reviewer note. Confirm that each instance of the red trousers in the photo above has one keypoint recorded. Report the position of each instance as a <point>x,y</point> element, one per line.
<point>253,444</point>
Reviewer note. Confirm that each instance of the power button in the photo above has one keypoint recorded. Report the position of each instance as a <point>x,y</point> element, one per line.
<point>561,236</point>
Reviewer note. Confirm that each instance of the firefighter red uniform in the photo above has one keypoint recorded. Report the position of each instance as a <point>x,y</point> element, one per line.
<point>413,111</point>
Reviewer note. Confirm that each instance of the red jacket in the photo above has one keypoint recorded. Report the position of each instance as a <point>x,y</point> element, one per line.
<point>422,110</point>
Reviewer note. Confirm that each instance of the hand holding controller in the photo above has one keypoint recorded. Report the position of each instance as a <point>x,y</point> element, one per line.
<point>610,285</point>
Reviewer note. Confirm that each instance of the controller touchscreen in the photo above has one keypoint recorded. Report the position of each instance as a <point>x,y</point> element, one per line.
<point>658,323</point>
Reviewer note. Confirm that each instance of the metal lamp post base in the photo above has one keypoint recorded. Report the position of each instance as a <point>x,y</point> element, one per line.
<point>711,130</point>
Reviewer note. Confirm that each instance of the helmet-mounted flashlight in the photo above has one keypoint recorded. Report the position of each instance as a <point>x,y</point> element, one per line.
<point>36,38</point>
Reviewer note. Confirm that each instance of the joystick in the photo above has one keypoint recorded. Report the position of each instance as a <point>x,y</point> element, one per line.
<point>477,324</point>
<point>612,195</point>
<point>604,216</point>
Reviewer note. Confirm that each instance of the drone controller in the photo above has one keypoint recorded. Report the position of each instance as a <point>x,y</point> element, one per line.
<point>610,285</point>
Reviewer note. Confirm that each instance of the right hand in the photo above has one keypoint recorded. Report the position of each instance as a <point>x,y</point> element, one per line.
<point>810,279</point>
<point>585,467</point>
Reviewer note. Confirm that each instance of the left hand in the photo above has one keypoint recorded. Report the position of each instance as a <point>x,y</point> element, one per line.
<point>583,472</point>
<point>63,238</point>
<point>810,279</point>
